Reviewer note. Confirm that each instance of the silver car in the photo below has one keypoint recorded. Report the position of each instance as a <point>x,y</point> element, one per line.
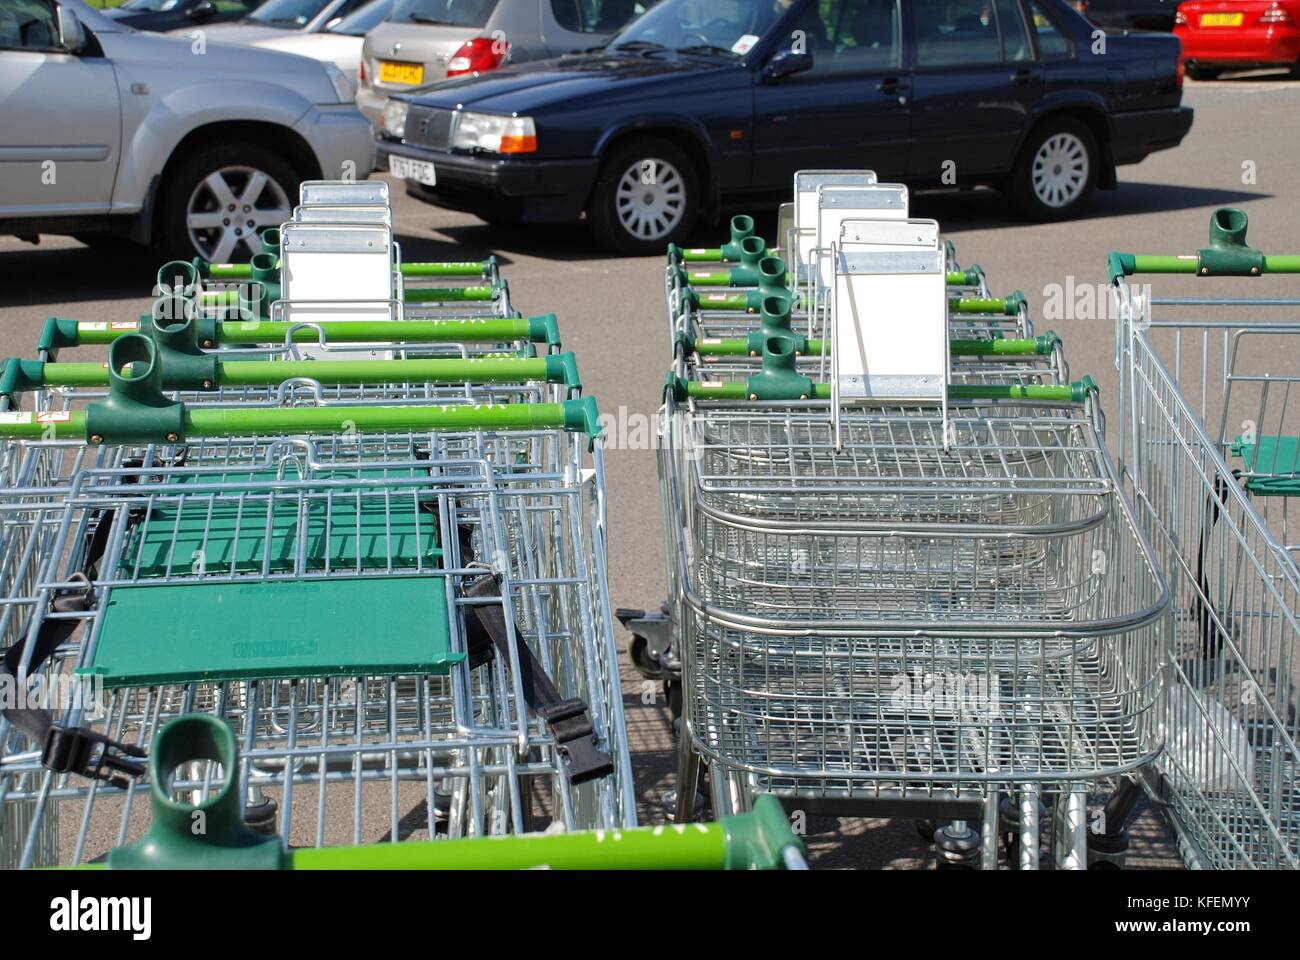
<point>424,41</point>
<point>108,133</point>
<point>279,18</point>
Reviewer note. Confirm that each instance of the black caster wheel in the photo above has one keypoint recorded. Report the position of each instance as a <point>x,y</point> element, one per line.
<point>638,651</point>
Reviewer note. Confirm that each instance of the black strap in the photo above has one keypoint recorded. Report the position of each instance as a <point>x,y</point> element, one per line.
<point>568,719</point>
<point>1203,607</point>
<point>71,749</point>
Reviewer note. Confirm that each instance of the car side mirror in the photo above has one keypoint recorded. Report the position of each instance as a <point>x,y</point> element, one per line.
<point>204,10</point>
<point>72,35</point>
<point>785,63</point>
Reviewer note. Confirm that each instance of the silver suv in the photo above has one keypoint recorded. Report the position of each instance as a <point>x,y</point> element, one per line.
<point>106,132</point>
<point>424,41</point>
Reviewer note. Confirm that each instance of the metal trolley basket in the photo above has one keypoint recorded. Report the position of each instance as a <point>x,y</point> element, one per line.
<point>832,557</point>
<point>1208,445</point>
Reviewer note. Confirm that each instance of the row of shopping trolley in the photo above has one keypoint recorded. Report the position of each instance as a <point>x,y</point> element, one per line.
<point>317,559</point>
<point>905,575</point>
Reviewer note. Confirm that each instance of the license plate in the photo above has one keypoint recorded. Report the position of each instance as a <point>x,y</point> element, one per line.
<point>408,169</point>
<point>1221,19</point>
<point>408,73</point>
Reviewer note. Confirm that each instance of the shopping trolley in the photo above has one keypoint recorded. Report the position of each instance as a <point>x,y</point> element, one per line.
<point>1208,445</point>
<point>387,575</point>
<point>834,546</point>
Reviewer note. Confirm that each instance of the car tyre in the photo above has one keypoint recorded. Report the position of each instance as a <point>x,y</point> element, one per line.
<point>1054,176</point>
<point>1204,73</point>
<point>645,198</point>
<point>200,189</point>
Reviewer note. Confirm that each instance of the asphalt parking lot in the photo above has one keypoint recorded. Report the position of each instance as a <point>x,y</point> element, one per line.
<point>1241,152</point>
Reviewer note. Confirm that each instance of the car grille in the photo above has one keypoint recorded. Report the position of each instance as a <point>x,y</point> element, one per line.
<point>429,127</point>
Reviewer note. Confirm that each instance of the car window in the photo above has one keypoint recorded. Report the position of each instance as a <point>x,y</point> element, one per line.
<point>287,13</point>
<point>1015,38</point>
<point>153,6</point>
<point>596,16</point>
<point>361,22</point>
<point>450,13</point>
<point>1052,41</point>
<point>849,36</point>
<point>951,32</point>
<point>28,25</point>
<point>725,28</point>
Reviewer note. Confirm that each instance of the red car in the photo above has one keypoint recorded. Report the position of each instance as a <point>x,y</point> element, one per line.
<point>1222,34</point>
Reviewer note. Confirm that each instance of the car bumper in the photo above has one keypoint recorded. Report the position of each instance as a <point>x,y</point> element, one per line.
<point>1245,47</point>
<point>1140,132</point>
<point>532,191</point>
<point>370,102</point>
<point>342,140</point>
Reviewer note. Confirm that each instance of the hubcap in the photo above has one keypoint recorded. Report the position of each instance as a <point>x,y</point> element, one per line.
<point>1060,170</point>
<point>651,199</point>
<point>229,208</point>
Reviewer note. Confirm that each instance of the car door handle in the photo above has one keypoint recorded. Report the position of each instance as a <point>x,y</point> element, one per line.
<point>1022,76</point>
<point>892,85</point>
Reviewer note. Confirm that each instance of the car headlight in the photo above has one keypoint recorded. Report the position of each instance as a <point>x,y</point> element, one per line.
<point>342,85</point>
<point>482,131</point>
<point>393,122</point>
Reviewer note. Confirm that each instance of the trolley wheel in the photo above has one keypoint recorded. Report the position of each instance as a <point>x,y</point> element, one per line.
<point>925,829</point>
<point>956,851</point>
<point>1055,174</point>
<point>638,651</point>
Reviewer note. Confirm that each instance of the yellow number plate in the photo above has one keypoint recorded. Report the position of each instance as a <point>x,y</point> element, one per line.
<point>390,72</point>
<point>1221,19</point>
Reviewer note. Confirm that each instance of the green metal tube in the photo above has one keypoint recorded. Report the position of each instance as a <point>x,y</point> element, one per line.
<point>1144,264</point>
<point>1282,264</point>
<point>1037,346</point>
<point>1049,393</point>
<point>541,329</point>
<point>254,421</point>
<point>1003,305</point>
<point>451,268</point>
<point>715,255</point>
<point>75,374</point>
<point>694,847</point>
<point>449,294</point>
<point>252,373</point>
<point>574,415</point>
<point>964,278</point>
<point>229,271</point>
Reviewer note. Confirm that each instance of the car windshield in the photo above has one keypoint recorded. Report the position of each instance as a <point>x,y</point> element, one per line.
<point>443,13</point>
<point>289,14</point>
<point>154,6</point>
<point>727,28</point>
<point>362,21</point>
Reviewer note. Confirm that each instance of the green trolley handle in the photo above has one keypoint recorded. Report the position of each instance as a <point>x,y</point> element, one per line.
<point>1041,346</point>
<point>559,368</point>
<point>60,333</point>
<point>760,840</point>
<point>458,268</point>
<point>235,298</point>
<point>754,389</point>
<point>137,411</point>
<point>1226,256</point>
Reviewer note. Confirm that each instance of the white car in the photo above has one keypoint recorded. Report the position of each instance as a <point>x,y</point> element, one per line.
<point>106,133</point>
<point>276,18</point>
<point>339,44</point>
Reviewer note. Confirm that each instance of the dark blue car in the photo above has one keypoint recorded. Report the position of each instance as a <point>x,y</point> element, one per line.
<point>696,105</point>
